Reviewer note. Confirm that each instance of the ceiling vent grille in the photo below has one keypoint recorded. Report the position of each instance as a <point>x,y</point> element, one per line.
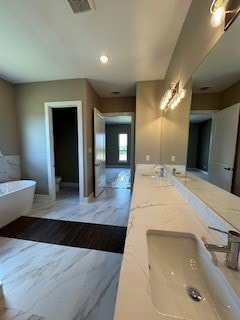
<point>204,88</point>
<point>78,6</point>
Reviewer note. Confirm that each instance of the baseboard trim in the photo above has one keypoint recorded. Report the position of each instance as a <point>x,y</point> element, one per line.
<point>69,184</point>
<point>47,198</point>
<point>88,199</point>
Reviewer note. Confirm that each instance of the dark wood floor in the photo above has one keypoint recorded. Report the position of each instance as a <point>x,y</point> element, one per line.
<point>67,233</point>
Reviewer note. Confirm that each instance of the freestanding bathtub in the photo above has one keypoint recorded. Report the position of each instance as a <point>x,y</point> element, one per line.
<point>16,199</point>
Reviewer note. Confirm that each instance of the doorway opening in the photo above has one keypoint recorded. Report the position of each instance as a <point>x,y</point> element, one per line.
<point>64,140</point>
<point>199,142</point>
<point>221,149</point>
<point>119,129</point>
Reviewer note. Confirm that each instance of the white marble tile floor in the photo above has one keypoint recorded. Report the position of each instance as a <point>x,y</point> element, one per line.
<point>112,207</point>
<point>52,282</point>
<point>118,178</point>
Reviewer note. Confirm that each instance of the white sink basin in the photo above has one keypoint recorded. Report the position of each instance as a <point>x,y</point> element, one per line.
<point>180,267</point>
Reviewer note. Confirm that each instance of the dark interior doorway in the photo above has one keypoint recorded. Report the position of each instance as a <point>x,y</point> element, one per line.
<point>65,135</point>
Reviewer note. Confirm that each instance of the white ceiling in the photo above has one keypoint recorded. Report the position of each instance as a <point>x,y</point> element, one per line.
<point>221,68</point>
<point>43,40</point>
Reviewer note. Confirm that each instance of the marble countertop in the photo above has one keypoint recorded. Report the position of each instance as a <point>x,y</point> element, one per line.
<point>157,205</point>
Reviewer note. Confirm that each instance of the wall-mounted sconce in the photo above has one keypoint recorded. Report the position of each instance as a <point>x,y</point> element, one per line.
<point>224,11</point>
<point>172,97</point>
<point>218,11</point>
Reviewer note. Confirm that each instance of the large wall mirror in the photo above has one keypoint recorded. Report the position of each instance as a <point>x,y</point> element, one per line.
<point>214,134</point>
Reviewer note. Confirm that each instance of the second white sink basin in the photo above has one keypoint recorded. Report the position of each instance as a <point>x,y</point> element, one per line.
<point>184,281</point>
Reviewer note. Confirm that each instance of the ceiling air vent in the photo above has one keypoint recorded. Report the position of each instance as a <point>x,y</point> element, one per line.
<point>78,6</point>
<point>115,93</point>
<point>204,88</point>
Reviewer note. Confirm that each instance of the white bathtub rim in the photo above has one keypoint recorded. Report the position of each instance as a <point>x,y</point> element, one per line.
<point>16,202</point>
<point>20,185</point>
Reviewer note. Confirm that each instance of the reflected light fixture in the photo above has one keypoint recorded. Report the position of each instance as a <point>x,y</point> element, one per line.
<point>104,59</point>
<point>172,97</point>
<point>168,95</point>
<point>218,11</point>
<point>177,98</point>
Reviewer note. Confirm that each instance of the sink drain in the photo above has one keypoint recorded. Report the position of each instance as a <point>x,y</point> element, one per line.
<point>194,294</point>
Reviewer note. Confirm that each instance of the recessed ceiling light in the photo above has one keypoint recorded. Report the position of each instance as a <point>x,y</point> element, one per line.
<point>104,59</point>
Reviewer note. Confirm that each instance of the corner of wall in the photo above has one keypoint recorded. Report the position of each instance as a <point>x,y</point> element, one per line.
<point>92,101</point>
<point>148,122</point>
<point>9,141</point>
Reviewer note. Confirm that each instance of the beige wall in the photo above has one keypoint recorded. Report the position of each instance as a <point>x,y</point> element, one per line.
<point>8,121</point>
<point>230,96</point>
<point>216,101</point>
<point>205,101</point>
<point>175,129</point>
<point>118,104</point>
<point>30,105</point>
<point>92,101</point>
<point>148,122</point>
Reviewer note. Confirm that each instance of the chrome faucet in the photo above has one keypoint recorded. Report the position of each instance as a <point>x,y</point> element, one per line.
<point>162,172</point>
<point>231,249</point>
<point>174,172</point>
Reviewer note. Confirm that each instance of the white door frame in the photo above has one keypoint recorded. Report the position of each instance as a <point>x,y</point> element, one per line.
<point>48,106</point>
<point>212,113</point>
<point>99,153</point>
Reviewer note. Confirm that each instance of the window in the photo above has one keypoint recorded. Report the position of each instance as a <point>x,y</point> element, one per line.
<point>122,147</point>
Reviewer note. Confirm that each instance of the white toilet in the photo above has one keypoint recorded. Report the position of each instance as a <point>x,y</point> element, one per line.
<point>57,181</point>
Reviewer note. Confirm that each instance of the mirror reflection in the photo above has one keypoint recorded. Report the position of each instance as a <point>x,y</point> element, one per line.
<point>214,135</point>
